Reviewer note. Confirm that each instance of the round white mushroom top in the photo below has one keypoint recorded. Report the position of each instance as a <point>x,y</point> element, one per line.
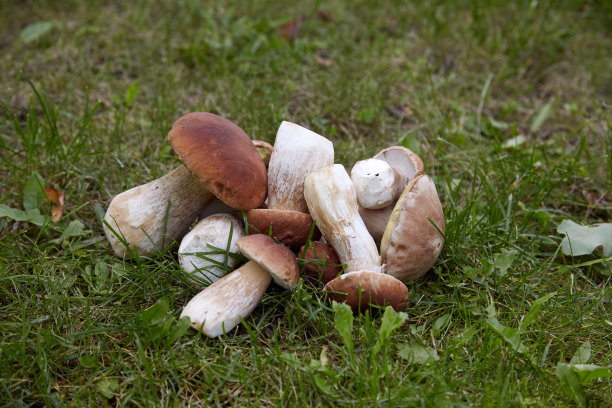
<point>374,181</point>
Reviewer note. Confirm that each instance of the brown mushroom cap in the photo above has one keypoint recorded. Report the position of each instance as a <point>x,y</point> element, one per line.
<point>362,289</point>
<point>411,244</point>
<point>321,251</point>
<point>222,156</point>
<point>277,259</point>
<point>291,228</point>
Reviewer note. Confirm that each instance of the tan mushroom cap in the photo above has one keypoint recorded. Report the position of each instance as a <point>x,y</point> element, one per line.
<point>362,289</point>
<point>291,228</point>
<point>411,244</point>
<point>329,265</point>
<point>222,156</point>
<point>277,259</point>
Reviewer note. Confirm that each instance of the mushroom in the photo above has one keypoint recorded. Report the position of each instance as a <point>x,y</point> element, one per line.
<point>407,164</point>
<point>219,160</point>
<point>297,153</point>
<point>376,183</point>
<point>198,254</point>
<point>413,237</point>
<point>320,261</point>
<point>264,149</point>
<point>219,308</point>
<point>332,201</point>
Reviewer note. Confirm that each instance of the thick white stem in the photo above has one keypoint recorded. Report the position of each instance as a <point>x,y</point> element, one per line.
<point>332,203</point>
<point>139,214</point>
<point>219,308</point>
<point>297,153</point>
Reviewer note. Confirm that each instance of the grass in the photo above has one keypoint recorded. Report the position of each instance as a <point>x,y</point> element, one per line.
<point>87,101</point>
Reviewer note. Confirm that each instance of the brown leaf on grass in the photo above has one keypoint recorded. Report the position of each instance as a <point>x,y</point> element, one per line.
<point>326,16</point>
<point>327,62</point>
<point>291,29</point>
<point>401,111</point>
<point>57,198</point>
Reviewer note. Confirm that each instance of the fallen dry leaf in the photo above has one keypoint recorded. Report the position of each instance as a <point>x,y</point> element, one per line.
<point>291,29</point>
<point>57,198</point>
<point>324,61</point>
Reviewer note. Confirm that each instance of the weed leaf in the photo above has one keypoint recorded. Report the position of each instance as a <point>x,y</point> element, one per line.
<point>510,335</point>
<point>179,329</point>
<point>570,383</point>
<point>534,311</point>
<point>35,31</point>
<point>590,372</point>
<point>418,354</point>
<point>131,93</point>
<point>155,314</point>
<point>74,229</point>
<point>583,354</point>
<point>343,321</point>
<point>34,192</point>
<point>391,320</point>
<point>541,117</point>
<point>108,387</point>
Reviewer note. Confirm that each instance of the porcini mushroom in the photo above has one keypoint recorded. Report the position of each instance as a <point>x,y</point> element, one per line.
<point>219,160</point>
<point>297,153</point>
<point>332,201</point>
<point>198,254</point>
<point>376,183</point>
<point>320,261</point>
<point>403,162</point>
<point>413,237</point>
<point>219,308</point>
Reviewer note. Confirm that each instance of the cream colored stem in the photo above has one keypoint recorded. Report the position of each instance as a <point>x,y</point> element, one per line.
<point>139,214</point>
<point>332,203</point>
<point>297,153</point>
<point>219,308</point>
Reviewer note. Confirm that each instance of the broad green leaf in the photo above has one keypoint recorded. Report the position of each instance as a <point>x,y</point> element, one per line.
<point>590,372</point>
<point>418,354</point>
<point>131,93</point>
<point>108,387</point>
<point>88,361</point>
<point>35,31</point>
<point>583,354</point>
<point>343,321</point>
<point>74,229</point>
<point>583,239</point>
<point>34,192</point>
<point>503,261</point>
<point>541,117</point>
<point>34,216</point>
<point>156,313</point>
<point>324,385</point>
<point>441,322</point>
<point>510,335</point>
<point>180,328</point>
<point>391,320</point>
<point>534,311</point>
<point>570,383</point>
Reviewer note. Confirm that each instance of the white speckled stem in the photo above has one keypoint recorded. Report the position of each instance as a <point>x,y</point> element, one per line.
<point>219,308</point>
<point>297,153</point>
<point>139,214</point>
<point>332,203</point>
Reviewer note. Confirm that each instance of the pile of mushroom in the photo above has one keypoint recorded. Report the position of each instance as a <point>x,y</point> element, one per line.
<point>282,192</point>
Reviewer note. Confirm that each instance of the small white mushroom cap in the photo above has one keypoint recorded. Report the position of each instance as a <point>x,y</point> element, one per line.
<point>196,254</point>
<point>377,185</point>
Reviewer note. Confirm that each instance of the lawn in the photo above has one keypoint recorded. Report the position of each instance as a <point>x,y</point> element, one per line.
<point>509,104</point>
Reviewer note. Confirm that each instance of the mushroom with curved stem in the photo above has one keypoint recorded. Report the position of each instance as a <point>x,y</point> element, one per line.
<point>297,153</point>
<point>332,201</point>
<point>406,163</point>
<point>413,238</point>
<point>203,253</point>
<point>220,307</point>
<point>219,160</point>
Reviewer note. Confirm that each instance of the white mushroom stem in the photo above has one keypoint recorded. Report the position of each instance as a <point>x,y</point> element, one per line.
<point>197,254</point>
<point>297,153</point>
<point>219,308</point>
<point>376,183</point>
<point>332,202</point>
<point>152,216</point>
